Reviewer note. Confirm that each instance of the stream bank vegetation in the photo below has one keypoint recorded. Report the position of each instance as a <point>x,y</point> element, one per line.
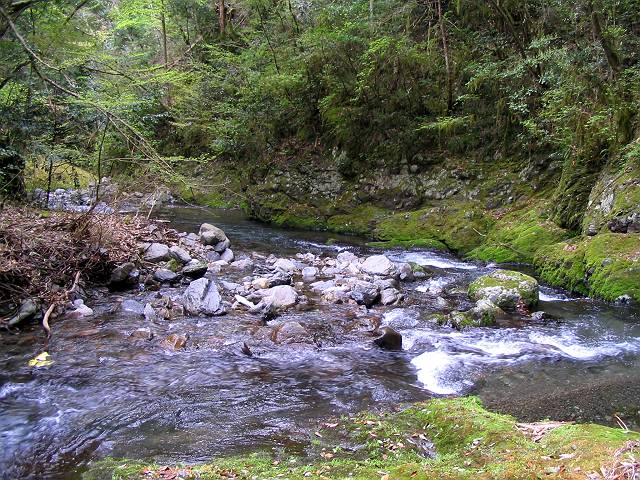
<point>442,438</point>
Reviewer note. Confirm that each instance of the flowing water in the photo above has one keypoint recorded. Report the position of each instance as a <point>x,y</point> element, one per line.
<point>110,394</point>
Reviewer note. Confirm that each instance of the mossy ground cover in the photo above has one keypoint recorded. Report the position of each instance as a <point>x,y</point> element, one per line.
<point>518,235</point>
<point>606,265</point>
<point>440,439</point>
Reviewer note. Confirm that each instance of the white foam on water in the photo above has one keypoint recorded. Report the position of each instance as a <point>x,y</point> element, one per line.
<point>553,297</point>
<point>432,372</point>
<point>447,369</point>
<point>434,286</point>
<point>432,260</point>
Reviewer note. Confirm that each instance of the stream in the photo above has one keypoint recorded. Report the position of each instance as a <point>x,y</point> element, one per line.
<point>111,394</point>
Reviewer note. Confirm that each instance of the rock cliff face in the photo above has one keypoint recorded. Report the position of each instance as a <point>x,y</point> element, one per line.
<point>499,209</point>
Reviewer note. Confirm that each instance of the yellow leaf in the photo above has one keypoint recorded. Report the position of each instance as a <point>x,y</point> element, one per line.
<point>42,360</point>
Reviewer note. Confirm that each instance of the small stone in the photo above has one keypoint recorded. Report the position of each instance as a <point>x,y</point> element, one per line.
<point>365,293</point>
<point>156,252</point>
<point>142,333</point>
<point>378,265</point>
<point>121,273</point>
<point>176,341</point>
<point>149,313</point>
<point>164,275</point>
<point>389,296</point>
<point>289,332</point>
<point>227,255</point>
<point>390,339</point>
<point>281,296</point>
<point>222,246</point>
<point>180,254</point>
<point>194,269</point>
<point>309,273</point>
<point>202,296</point>
<point>285,265</point>
<point>132,306</point>
<point>212,256</point>
<point>243,264</point>
<point>28,310</point>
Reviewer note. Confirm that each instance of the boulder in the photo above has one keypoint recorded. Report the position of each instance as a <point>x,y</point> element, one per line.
<point>29,308</point>
<point>309,273</point>
<point>227,255</point>
<point>194,269</point>
<point>365,293</point>
<point>222,246</point>
<point>180,254</point>
<point>156,252</point>
<point>390,296</point>
<point>378,265</point>
<point>390,339</point>
<point>346,257</point>
<point>211,235</point>
<point>164,275</point>
<point>505,289</point>
<point>284,265</point>
<point>202,297</point>
<point>281,296</point>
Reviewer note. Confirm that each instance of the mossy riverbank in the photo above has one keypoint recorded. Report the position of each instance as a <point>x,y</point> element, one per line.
<point>443,438</point>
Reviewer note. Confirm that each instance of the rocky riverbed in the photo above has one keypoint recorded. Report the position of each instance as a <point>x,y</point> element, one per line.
<point>219,336</point>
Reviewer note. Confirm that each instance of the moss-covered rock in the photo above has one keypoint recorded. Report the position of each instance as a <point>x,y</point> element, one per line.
<point>443,438</point>
<point>460,226</point>
<point>518,235</point>
<point>505,289</point>
<point>605,266</point>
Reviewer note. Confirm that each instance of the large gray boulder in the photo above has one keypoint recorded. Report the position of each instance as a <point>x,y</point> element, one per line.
<point>281,296</point>
<point>378,265</point>
<point>202,297</point>
<point>211,235</point>
<point>505,289</point>
<point>365,293</point>
<point>156,252</point>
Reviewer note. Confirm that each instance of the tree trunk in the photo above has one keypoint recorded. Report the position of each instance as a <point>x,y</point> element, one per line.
<point>447,61</point>
<point>612,57</point>
<point>222,16</point>
<point>163,21</point>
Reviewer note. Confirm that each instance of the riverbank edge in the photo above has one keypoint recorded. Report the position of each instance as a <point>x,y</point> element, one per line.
<point>441,438</point>
<point>605,265</point>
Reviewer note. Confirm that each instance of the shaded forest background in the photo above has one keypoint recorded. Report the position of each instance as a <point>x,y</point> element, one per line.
<point>162,88</point>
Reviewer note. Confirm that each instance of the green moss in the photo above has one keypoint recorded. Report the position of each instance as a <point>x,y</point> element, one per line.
<point>361,221</point>
<point>418,243</point>
<point>511,286</point>
<point>606,265</point>
<point>517,236</point>
<point>470,442</point>
<point>64,176</point>
<point>459,226</point>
